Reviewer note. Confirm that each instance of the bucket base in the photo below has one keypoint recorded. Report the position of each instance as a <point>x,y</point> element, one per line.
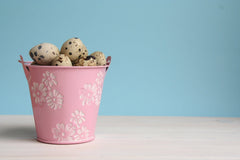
<point>66,142</point>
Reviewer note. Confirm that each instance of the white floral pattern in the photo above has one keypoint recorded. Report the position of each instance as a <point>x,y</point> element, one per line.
<point>88,94</point>
<point>49,79</point>
<point>100,78</point>
<point>98,96</point>
<point>63,132</point>
<point>39,92</point>
<point>91,93</point>
<point>73,131</point>
<point>78,118</point>
<point>44,92</point>
<point>82,133</point>
<point>54,99</point>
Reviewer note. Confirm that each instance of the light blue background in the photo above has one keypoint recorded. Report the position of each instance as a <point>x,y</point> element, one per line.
<point>169,58</point>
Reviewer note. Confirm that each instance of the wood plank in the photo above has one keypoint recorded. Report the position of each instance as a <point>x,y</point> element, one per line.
<point>130,137</point>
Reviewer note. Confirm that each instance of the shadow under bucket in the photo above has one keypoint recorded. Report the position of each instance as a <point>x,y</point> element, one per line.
<point>65,101</point>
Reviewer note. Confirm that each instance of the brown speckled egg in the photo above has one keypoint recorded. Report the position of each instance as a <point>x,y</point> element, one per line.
<point>62,60</point>
<point>44,53</point>
<point>100,58</point>
<point>88,61</point>
<point>74,49</point>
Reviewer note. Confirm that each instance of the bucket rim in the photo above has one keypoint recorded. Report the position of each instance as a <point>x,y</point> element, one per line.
<point>28,64</point>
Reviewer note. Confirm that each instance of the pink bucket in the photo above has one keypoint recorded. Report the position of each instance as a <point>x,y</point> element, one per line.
<point>65,101</point>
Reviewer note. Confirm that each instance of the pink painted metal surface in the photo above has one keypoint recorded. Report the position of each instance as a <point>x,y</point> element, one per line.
<point>65,101</point>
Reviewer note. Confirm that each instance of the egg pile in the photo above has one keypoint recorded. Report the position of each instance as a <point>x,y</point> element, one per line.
<point>73,53</point>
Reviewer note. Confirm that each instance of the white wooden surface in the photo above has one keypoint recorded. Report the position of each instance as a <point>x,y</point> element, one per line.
<point>130,137</point>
